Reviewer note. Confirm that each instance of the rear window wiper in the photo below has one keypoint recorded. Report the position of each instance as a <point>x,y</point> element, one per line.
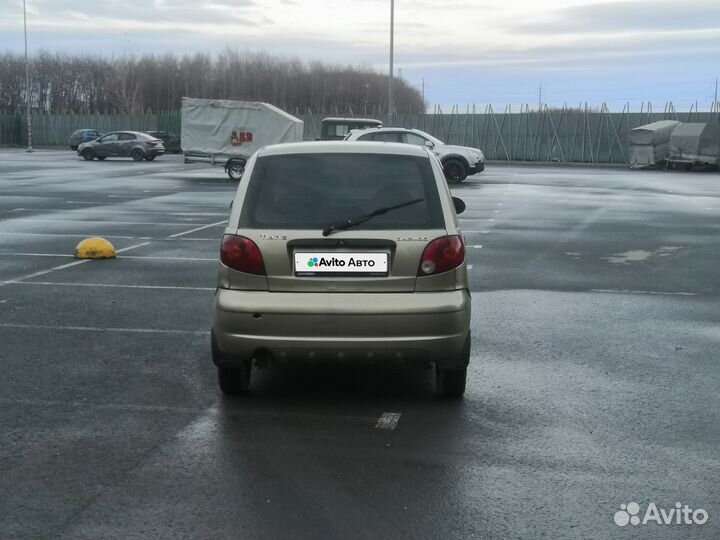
<point>354,222</point>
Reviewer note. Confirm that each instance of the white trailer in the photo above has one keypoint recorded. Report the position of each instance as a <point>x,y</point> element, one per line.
<point>650,144</point>
<point>229,132</point>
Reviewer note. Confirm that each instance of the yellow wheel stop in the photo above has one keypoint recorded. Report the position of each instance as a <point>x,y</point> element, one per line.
<point>94,248</point>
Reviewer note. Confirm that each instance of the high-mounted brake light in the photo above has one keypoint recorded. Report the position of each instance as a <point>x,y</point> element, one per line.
<point>241,254</point>
<point>441,255</point>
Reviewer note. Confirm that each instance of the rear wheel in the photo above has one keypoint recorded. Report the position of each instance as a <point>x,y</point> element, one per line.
<point>88,154</point>
<point>137,154</point>
<point>451,382</point>
<point>232,380</point>
<point>455,171</point>
<point>235,169</point>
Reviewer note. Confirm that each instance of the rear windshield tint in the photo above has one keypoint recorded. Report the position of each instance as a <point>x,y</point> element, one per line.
<point>308,191</point>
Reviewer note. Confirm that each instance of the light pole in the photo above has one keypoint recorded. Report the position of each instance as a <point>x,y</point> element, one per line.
<point>391,104</point>
<point>27,84</point>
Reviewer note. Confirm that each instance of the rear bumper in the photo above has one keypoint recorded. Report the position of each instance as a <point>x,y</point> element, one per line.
<point>414,327</point>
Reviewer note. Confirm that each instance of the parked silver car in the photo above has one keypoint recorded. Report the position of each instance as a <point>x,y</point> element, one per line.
<point>342,252</point>
<point>133,144</point>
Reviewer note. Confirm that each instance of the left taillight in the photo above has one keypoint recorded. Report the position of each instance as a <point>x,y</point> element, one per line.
<point>441,255</point>
<point>151,143</point>
<point>241,254</point>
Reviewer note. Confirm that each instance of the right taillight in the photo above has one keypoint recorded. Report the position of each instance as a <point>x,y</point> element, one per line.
<point>241,254</point>
<point>441,255</point>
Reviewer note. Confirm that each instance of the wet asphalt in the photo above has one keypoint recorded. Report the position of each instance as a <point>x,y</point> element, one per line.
<point>594,379</point>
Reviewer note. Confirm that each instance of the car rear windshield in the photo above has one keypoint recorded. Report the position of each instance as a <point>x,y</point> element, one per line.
<point>308,191</point>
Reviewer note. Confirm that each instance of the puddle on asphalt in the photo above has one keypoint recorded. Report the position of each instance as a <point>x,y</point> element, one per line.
<point>640,255</point>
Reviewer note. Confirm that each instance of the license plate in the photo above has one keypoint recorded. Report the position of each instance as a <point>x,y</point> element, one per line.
<point>313,263</point>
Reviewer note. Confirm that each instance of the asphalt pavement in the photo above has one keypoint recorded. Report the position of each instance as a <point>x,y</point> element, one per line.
<point>594,379</point>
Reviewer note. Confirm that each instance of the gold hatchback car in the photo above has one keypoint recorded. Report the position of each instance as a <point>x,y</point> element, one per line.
<point>342,252</point>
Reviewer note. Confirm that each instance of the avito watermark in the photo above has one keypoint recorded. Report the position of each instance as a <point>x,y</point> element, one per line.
<point>681,514</point>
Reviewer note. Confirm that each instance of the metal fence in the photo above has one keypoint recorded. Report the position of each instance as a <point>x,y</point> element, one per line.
<point>54,129</point>
<point>579,134</point>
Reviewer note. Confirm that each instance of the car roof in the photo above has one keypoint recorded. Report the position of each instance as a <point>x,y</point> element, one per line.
<point>384,130</point>
<point>348,119</point>
<point>125,131</point>
<point>344,147</point>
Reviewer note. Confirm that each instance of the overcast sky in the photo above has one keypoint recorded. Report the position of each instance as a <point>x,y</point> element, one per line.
<point>466,51</point>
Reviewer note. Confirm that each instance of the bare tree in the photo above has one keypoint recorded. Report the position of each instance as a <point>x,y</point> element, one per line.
<point>83,83</point>
<point>125,87</point>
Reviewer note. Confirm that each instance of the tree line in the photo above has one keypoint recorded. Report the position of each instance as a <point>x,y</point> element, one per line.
<point>95,84</point>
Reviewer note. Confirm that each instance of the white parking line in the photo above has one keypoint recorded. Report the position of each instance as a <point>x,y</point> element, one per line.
<point>629,291</point>
<point>123,250</point>
<point>144,223</point>
<point>143,202</point>
<point>194,259</point>
<point>43,272</point>
<point>16,254</point>
<point>477,246</point>
<point>67,255</point>
<point>100,329</point>
<point>101,203</point>
<point>61,267</point>
<point>83,211</point>
<point>205,411</point>
<point>62,235</point>
<point>388,420</point>
<point>69,235</point>
<point>105,285</point>
<point>196,229</point>
<point>198,239</point>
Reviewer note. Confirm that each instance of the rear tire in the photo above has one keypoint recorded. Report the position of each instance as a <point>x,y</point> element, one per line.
<point>233,380</point>
<point>451,382</point>
<point>235,169</point>
<point>137,154</point>
<point>88,154</point>
<point>455,171</point>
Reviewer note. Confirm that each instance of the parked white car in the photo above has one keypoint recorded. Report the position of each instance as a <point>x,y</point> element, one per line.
<point>458,162</point>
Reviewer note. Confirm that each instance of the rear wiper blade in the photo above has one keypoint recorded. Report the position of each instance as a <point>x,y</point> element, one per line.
<point>354,222</point>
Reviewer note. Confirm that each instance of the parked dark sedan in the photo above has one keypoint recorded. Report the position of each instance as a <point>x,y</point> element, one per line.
<point>132,144</point>
<point>80,136</point>
<point>171,142</point>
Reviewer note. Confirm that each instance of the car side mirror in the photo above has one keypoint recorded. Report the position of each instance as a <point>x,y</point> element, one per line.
<point>459,205</point>
<point>430,144</point>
